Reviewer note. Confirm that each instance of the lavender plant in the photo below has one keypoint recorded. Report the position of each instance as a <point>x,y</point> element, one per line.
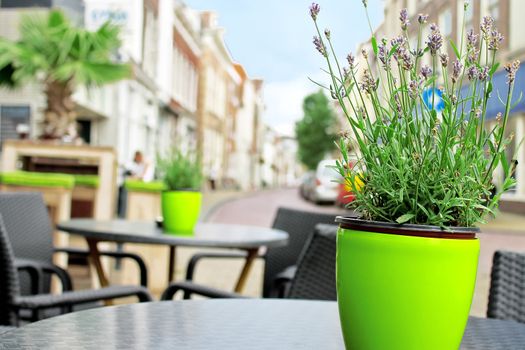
<point>417,163</point>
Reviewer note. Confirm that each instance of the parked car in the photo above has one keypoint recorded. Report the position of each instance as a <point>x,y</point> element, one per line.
<point>327,181</point>
<point>307,184</point>
<point>345,195</point>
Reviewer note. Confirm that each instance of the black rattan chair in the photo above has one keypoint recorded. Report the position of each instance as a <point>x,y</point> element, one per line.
<point>31,235</point>
<point>507,287</point>
<point>12,302</point>
<point>279,262</point>
<point>314,277</point>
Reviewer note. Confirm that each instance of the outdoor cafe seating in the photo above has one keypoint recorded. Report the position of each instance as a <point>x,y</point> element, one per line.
<point>303,269</point>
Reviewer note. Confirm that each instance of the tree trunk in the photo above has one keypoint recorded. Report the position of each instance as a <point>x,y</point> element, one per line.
<point>60,115</point>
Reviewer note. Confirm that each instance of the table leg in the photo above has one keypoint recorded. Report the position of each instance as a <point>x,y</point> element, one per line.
<point>250,258</point>
<point>94,257</point>
<point>172,264</point>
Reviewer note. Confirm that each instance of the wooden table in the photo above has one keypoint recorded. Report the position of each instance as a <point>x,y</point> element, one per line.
<point>247,238</point>
<point>223,324</point>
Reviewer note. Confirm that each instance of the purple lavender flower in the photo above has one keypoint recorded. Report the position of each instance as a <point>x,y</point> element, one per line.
<point>383,55</point>
<point>472,38</point>
<point>472,56</point>
<point>399,41</point>
<point>472,73</point>
<point>511,69</point>
<point>433,27</point>
<point>399,109</point>
<point>426,71</point>
<point>414,88</point>
<point>486,26</point>
<point>346,73</point>
<point>320,46</point>
<point>483,74</point>
<point>456,70</point>
<point>368,83</point>
<point>408,63</point>
<point>435,40</point>
<point>422,18</point>
<point>444,59</point>
<point>314,10</point>
<point>351,60</point>
<point>364,52</point>
<point>495,38</point>
<point>327,33</point>
<point>403,17</point>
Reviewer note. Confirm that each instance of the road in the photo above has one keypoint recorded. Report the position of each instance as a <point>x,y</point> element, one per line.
<point>506,233</point>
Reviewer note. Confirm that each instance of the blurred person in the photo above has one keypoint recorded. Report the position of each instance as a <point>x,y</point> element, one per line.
<point>139,169</point>
<point>212,177</point>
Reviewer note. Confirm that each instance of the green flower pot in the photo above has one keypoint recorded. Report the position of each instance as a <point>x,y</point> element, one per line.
<point>180,211</point>
<point>404,287</point>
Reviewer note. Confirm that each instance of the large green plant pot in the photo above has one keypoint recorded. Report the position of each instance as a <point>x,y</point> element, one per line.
<point>180,211</point>
<point>404,287</point>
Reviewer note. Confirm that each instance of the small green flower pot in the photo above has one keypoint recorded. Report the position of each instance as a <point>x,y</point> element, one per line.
<point>180,211</point>
<point>404,287</point>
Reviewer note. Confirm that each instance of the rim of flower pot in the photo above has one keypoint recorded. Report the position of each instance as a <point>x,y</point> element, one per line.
<point>456,232</point>
<point>182,190</point>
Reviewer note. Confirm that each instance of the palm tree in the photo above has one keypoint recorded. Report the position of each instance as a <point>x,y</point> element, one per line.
<point>60,56</point>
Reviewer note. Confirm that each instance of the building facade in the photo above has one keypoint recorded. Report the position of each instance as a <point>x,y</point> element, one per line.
<point>186,92</point>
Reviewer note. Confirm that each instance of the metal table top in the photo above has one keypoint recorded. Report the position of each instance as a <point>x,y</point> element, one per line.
<point>205,235</point>
<point>221,324</point>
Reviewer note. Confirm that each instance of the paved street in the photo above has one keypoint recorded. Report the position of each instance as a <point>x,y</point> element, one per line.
<point>507,232</point>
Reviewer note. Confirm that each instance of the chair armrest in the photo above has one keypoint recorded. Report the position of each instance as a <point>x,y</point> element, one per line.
<point>192,264</point>
<point>190,288</point>
<point>113,254</point>
<point>45,267</point>
<point>282,282</point>
<point>43,301</point>
<point>33,270</point>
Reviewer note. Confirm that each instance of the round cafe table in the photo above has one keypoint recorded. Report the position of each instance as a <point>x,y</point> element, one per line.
<point>222,324</point>
<point>247,238</point>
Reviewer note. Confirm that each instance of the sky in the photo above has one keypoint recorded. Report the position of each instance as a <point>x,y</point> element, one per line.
<point>272,39</point>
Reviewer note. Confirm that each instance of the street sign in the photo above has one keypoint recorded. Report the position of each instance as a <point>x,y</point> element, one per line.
<point>435,95</point>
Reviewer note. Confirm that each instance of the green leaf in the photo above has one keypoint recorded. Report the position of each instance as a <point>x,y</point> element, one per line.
<point>404,218</point>
<point>494,69</point>
<point>374,45</point>
<point>456,52</point>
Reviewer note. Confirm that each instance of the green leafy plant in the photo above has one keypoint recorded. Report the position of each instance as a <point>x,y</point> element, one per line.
<point>315,132</point>
<point>60,56</point>
<point>416,163</point>
<point>180,171</point>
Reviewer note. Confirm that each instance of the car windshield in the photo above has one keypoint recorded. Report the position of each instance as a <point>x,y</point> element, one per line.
<point>331,173</point>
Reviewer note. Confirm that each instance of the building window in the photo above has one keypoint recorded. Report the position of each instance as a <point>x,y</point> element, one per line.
<point>493,9</point>
<point>469,17</point>
<point>11,119</point>
<point>445,22</point>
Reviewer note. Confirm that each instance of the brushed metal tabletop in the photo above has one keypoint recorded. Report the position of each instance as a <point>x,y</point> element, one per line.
<point>222,324</point>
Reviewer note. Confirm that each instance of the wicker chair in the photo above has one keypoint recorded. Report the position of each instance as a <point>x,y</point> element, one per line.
<point>26,222</point>
<point>279,262</point>
<point>31,235</point>
<point>314,278</point>
<point>507,287</point>
<point>12,302</point>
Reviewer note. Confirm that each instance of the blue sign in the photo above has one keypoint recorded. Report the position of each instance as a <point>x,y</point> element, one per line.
<point>436,96</point>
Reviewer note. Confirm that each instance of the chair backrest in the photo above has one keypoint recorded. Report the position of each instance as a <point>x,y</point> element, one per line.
<point>300,226</point>
<point>9,287</point>
<point>29,227</point>
<point>315,274</point>
<point>507,287</point>
<point>28,224</point>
